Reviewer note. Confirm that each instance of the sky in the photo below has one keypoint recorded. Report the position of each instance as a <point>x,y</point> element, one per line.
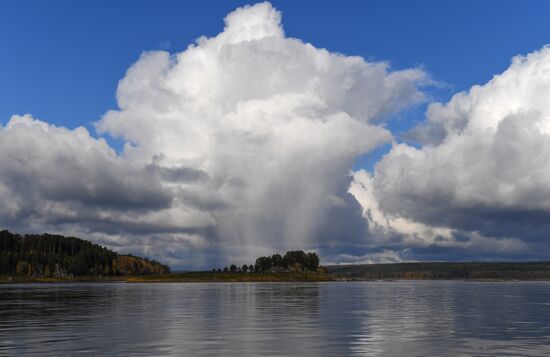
<point>204,133</point>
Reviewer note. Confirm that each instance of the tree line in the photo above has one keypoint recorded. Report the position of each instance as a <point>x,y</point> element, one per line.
<point>446,270</point>
<point>57,256</point>
<point>296,261</point>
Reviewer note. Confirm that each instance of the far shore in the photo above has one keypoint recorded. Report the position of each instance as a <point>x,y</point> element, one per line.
<point>213,277</point>
<point>187,277</point>
<point>457,271</point>
<point>79,279</point>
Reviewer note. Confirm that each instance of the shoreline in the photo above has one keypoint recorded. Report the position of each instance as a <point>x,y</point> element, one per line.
<point>207,277</point>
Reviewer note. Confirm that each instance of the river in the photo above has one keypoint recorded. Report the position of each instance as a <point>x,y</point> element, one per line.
<point>403,318</point>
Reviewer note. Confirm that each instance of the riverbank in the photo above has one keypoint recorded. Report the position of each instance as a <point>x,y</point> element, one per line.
<point>476,271</point>
<point>467,271</point>
<point>188,277</point>
<point>77,279</point>
<point>195,277</point>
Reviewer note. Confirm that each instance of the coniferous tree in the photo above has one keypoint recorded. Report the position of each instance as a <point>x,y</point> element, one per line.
<point>57,256</point>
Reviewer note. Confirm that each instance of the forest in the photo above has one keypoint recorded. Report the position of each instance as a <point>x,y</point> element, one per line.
<point>294,261</point>
<point>61,257</point>
<point>446,270</point>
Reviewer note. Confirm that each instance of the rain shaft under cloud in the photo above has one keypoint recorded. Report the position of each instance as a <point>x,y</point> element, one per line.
<point>241,144</point>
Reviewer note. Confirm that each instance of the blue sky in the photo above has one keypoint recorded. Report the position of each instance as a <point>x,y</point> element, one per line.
<point>62,60</point>
<point>225,165</point>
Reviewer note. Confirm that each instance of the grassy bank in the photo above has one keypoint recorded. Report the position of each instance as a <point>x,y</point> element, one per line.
<point>190,277</point>
<point>231,277</point>
<point>78,279</point>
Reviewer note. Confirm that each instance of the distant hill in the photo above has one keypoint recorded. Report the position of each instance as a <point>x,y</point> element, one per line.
<point>446,270</point>
<point>57,256</point>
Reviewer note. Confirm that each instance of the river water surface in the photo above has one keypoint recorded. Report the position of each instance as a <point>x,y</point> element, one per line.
<point>406,318</point>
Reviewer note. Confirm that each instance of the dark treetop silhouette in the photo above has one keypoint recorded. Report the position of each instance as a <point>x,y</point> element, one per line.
<point>57,256</point>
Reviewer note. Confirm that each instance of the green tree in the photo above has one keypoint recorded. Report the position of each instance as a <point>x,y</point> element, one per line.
<point>44,254</point>
<point>312,262</point>
<point>295,258</point>
<point>277,260</point>
<point>244,268</point>
<point>262,264</point>
<point>233,268</point>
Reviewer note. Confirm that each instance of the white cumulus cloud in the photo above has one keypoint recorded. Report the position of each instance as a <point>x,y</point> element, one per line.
<point>241,143</point>
<point>480,177</point>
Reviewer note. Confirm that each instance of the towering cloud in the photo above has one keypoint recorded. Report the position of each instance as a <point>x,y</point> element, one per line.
<point>242,143</point>
<point>479,182</point>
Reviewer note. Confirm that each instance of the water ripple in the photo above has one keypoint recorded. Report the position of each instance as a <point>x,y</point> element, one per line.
<point>422,318</point>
